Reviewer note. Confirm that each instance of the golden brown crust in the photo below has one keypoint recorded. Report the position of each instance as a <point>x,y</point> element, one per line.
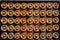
<point>4,35</point>
<point>10,5</point>
<point>17,5</point>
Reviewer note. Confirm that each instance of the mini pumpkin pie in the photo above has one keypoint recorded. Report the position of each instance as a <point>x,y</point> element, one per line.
<point>23,20</point>
<point>10,5</point>
<point>55,12</point>
<point>17,5</point>
<point>36,28</point>
<point>42,20</point>
<point>43,5</point>
<point>49,35</point>
<point>43,13</point>
<point>56,5</point>
<point>36,13</point>
<point>55,20</point>
<point>23,12</point>
<point>10,20</point>
<point>49,20</point>
<point>17,13</point>
<point>17,20</point>
<point>30,36</point>
<point>30,20</point>
<point>49,5</point>
<point>43,28</point>
<point>10,28</point>
<point>16,28</point>
<point>17,35</point>
<point>23,28</point>
<point>36,35</point>
<point>4,27</point>
<point>23,35</point>
<point>49,28</point>
<point>23,5</point>
<point>30,5</point>
<point>4,5</point>
<point>55,35</point>
<point>55,27</point>
<point>43,36</point>
<point>3,12</point>
<point>36,5</point>
<point>36,20</point>
<point>10,36</point>
<point>30,12</point>
<point>49,13</point>
<point>10,12</point>
<point>30,28</point>
<point>3,20</point>
<point>4,35</point>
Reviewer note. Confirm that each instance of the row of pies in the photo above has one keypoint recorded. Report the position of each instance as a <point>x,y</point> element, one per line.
<point>30,28</point>
<point>30,20</point>
<point>30,12</point>
<point>4,35</point>
<point>36,5</point>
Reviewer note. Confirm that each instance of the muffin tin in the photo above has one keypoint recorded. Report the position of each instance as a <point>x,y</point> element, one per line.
<point>29,20</point>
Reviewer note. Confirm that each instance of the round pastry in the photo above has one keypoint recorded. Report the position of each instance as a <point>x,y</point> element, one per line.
<point>36,35</point>
<point>10,28</point>
<point>55,27</point>
<point>23,35</point>
<point>10,20</point>
<point>55,12</point>
<point>4,35</point>
<point>49,20</point>
<point>4,5</point>
<point>10,35</point>
<point>43,5</point>
<point>17,20</point>
<point>17,28</point>
<point>43,36</point>
<point>49,13</point>
<point>23,5</point>
<point>30,12</point>
<point>17,5</point>
<point>49,35</point>
<point>17,35</point>
<point>30,5</point>
<point>36,21</point>
<point>36,5</point>
<point>30,28</point>
<point>10,12</point>
<point>23,28</point>
<point>36,28</point>
<point>43,13</point>
<point>55,35</point>
<point>23,12</point>
<point>49,5</point>
<point>43,28</point>
<point>30,36</point>
<point>17,13</point>
<point>4,27</point>
<point>42,20</point>
<point>49,27</point>
<point>3,12</point>
<point>55,20</point>
<point>36,13</point>
<point>23,20</point>
<point>10,5</point>
<point>3,20</point>
<point>30,20</point>
<point>56,5</point>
